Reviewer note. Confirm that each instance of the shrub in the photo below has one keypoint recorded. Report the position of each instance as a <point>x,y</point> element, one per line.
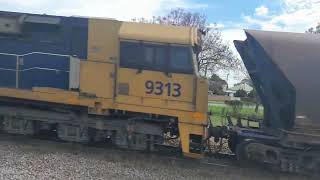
<point>235,105</point>
<point>240,93</point>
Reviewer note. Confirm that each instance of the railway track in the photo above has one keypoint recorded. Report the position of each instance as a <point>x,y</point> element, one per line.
<point>217,162</point>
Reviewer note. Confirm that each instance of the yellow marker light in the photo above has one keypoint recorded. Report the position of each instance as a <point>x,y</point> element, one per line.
<point>198,116</point>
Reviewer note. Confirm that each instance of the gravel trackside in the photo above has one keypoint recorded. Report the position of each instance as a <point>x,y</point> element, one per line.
<point>26,158</point>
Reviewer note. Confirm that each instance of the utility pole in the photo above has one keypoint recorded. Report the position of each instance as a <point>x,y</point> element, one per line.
<point>228,80</point>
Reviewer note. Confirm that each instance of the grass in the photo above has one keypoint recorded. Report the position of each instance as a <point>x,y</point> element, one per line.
<point>219,113</point>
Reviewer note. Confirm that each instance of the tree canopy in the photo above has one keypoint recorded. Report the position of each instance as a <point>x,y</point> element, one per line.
<point>217,85</point>
<point>315,30</point>
<point>217,78</point>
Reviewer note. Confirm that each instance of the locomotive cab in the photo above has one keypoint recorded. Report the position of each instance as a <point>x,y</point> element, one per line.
<point>152,69</point>
<point>160,70</point>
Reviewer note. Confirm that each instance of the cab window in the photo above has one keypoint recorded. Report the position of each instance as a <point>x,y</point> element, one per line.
<point>180,60</point>
<point>154,57</point>
<point>131,54</point>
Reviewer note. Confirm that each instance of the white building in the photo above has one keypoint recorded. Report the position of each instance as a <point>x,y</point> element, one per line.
<point>240,86</point>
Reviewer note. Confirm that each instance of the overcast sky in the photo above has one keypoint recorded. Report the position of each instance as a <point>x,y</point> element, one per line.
<point>231,15</point>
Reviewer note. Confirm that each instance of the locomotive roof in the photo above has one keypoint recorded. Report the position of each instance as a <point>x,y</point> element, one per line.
<point>135,31</point>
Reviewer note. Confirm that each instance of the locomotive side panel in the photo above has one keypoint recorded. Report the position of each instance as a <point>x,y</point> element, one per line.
<point>97,79</point>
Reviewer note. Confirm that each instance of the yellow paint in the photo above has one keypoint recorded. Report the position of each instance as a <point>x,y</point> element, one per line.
<point>185,130</point>
<point>202,98</point>
<point>198,116</point>
<point>159,33</point>
<point>137,82</point>
<point>103,41</point>
<point>97,79</point>
<point>192,119</point>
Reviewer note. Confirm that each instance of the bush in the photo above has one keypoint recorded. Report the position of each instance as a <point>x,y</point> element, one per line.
<point>235,105</point>
<point>253,94</point>
<point>240,93</point>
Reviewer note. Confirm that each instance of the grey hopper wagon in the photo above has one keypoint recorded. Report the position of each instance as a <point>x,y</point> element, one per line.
<point>285,69</point>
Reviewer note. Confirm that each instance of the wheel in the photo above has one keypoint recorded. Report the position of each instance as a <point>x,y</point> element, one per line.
<point>241,152</point>
<point>232,144</point>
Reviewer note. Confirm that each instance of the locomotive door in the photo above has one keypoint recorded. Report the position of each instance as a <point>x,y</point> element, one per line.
<point>98,72</point>
<point>97,78</point>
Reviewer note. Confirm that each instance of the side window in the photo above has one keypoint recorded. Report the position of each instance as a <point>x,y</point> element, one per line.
<point>143,56</point>
<point>174,59</point>
<point>180,60</point>
<point>130,55</point>
<point>161,56</point>
<point>148,56</point>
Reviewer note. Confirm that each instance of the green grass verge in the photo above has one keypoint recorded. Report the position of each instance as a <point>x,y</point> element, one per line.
<point>219,112</point>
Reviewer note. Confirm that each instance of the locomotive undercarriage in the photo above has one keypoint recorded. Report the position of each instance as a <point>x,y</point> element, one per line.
<point>123,129</point>
<point>280,150</point>
<point>302,161</point>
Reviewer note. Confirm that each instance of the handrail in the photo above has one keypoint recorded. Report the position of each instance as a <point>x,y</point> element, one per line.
<point>42,53</point>
<point>21,70</point>
<point>40,68</point>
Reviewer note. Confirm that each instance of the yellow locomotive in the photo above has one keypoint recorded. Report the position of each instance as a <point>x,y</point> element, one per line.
<point>91,79</point>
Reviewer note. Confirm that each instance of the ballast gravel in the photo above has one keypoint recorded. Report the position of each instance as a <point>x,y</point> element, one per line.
<point>26,158</point>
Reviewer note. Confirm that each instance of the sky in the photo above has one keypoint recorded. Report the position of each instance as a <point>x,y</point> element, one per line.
<point>231,16</point>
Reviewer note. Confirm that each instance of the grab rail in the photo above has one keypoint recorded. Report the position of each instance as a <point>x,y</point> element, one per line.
<point>42,53</point>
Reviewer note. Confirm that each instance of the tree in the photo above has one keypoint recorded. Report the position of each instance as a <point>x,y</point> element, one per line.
<point>214,54</point>
<point>240,93</point>
<point>246,80</point>
<point>253,94</point>
<point>215,77</point>
<point>255,97</point>
<point>315,30</point>
<point>216,85</point>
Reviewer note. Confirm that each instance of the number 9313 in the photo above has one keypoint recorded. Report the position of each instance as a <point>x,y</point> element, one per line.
<point>160,88</point>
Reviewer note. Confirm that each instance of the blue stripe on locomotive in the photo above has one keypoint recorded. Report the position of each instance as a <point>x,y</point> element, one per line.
<point>7,71</point>
<point>70,37</point>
